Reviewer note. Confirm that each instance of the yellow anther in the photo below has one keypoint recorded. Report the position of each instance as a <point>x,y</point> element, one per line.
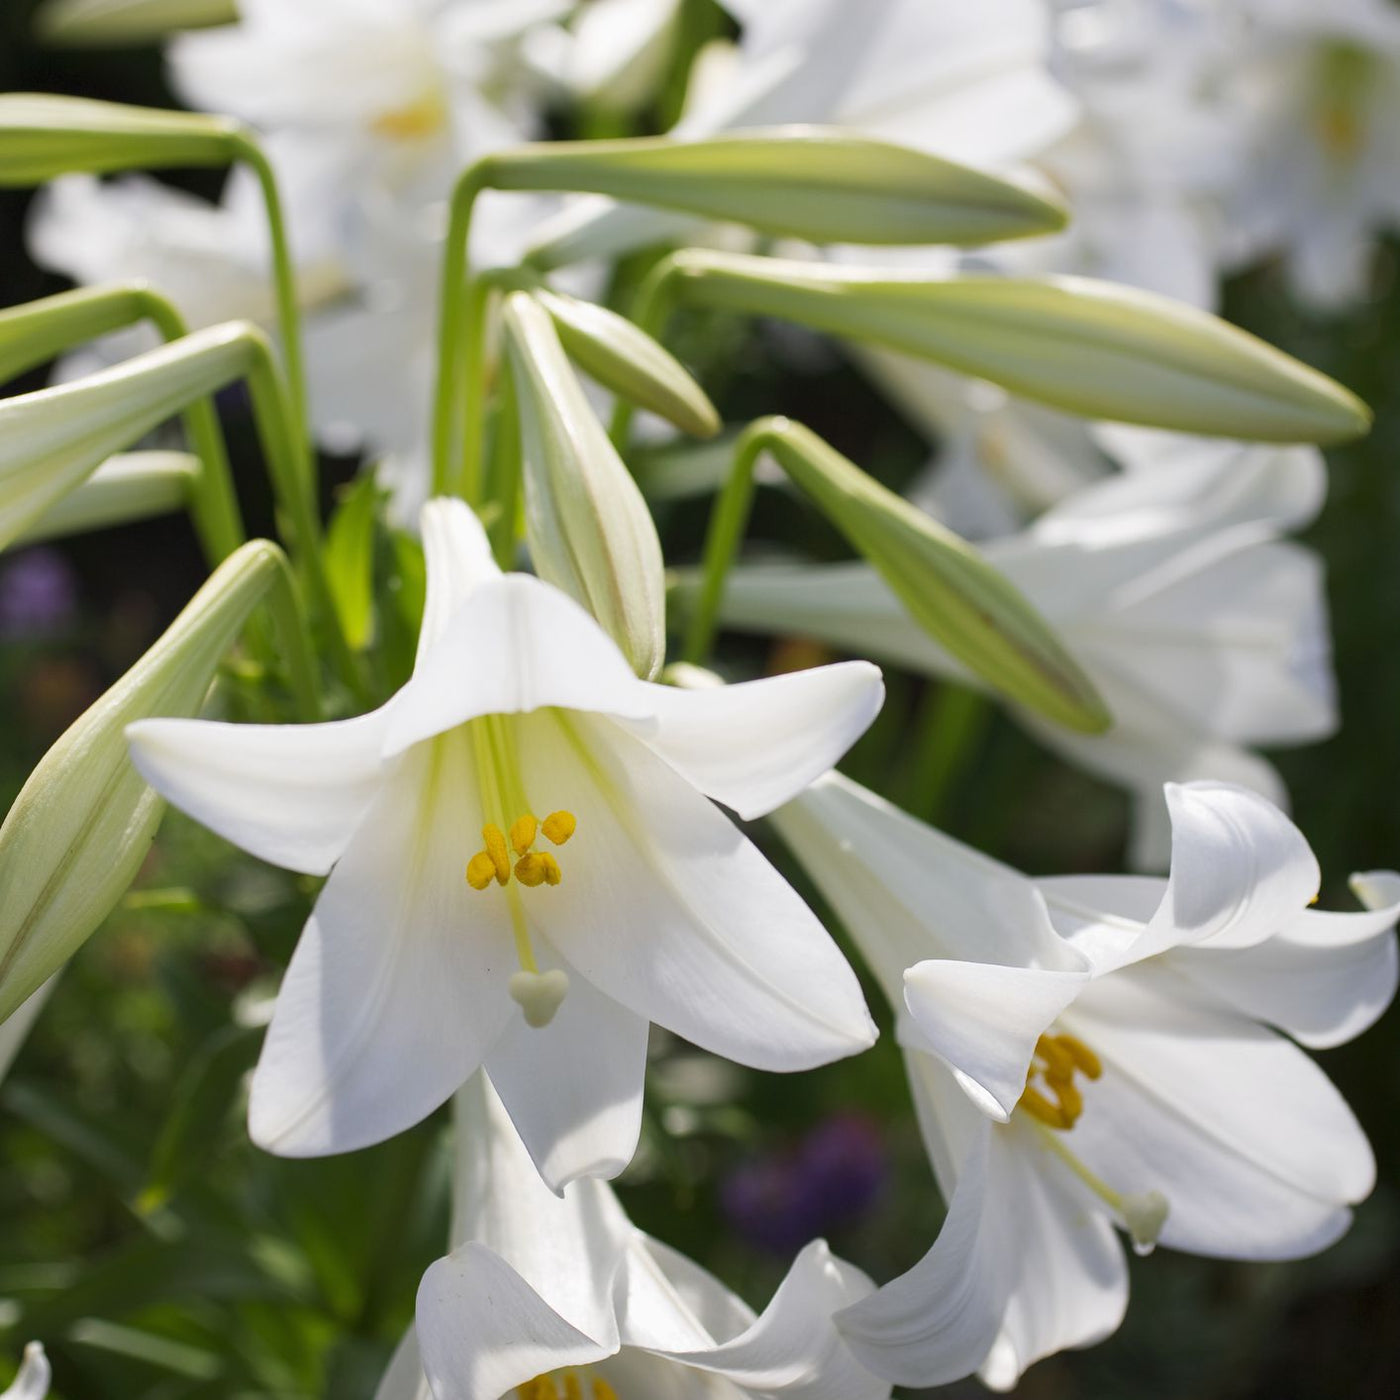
<point>481,870</point>
<point>602,1390</point>
<point>573,1390</point>
<point>559,826</point>
<point>1056,1056</point>
<point>1057,1059</point>
<point>414,120</point>
<point>1038,1106</point>
<point>522,833</point>
<point>552,872</point>
<point>496,849</point>
<point>1085,1061</point>
<point>530,870</point>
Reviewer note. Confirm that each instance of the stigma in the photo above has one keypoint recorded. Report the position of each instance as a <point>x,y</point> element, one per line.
<point>565,1385</point>
<point>1056,1061</point>
<point>529,866</point>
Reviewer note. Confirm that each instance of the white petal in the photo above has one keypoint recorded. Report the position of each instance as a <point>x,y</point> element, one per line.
<point>667,1301</point>
<point>669,909</point>
<point>754,745</point>
<point>1324,979</point>
<point>574,1087</point>
<point>396,990</point>
<point>983,1021</point>
<point>291,794</point>
<point>793,1349</point>
<point>1256,1152</point>
<point>403,1379</point>
<point>518,645</point>
<point>458,559</point>
<point>937,1322</point>
<point>15,1031</point>
<point>483,1330</point>
<point>32,1382</point>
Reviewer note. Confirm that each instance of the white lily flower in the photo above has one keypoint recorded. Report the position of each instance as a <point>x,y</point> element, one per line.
<point>454,904</point>
<point>1204,634</point>
<point>547,1297</point>
<point>1088,1052</point>
<point>32,1382</point>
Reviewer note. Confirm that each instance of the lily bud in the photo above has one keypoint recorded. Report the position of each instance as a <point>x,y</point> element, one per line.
<point>1092,348</point>
<point>43,136</point>
<point>83,823</point>
<point>817,183</point>
<point>103,23</point>
<point>947,587</point>
<point>129,486</point>
<point>625,359</point>
<point>53,439</point>
<point>35,331</point>
<point>587,526</point>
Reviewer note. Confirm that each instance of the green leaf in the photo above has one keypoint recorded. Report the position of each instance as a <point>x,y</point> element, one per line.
<point>349,556</point>
<point>83,822</point>
<point>1091,348</point>
<point>610,349</point>
<point>104,23</point>
<point>811,182</point>
<point>43,136</point>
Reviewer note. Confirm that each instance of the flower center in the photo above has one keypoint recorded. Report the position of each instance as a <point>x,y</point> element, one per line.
<point>532,867</point>
<point>415,121</point>
<point>1057,1058</point>
<point>565,1385</point>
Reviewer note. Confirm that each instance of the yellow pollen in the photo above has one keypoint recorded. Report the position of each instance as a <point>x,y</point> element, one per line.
<point>1057,1058</point>
<point>573,1390</point>
<point>496,849</point>
<point>522,833</point>
<point>567,1386</point>
<point>529,869</point>
<point>414,120</point>
<point>559,826</point>
<point>481,870</point>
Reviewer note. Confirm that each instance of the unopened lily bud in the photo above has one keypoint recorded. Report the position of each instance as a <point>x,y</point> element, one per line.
<point>129,486</point>
<point>53,439</point>
<point>587,526</point>
<point>630,363</point>
<point>947,587</point>
<point>817,183</point>
<point>83,823</point>
<point>1092,348</point>
<point>36,331</point>
<point>43,136</point>
<point>106,23</point>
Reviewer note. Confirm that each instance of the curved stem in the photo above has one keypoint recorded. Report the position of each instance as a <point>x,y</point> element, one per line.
<point>728,522</point>
<point>506,471</point>
<point>650,313</point>
<point>473,385</point>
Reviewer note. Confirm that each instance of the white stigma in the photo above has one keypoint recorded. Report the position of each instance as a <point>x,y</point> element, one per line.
<point>539,994</point>
<point>1145,1215</point>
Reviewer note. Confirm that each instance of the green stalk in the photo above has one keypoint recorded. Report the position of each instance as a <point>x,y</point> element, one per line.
<point>473,386</point>
<point>728,522</point>
<point>951,723</point>
<point>506,471</point>
<point>653,307</point>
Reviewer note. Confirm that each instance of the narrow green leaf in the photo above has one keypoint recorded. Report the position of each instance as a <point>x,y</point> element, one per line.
<point>1092,348</point>
<point>811,182</point>
<point>349,555</point>
<point>105,23</point>
<point>83,822</point>
<point>630,363</point>
<point>43,135</point>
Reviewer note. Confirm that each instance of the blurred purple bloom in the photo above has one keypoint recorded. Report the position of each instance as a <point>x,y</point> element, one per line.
<point>38,593</point>
<point>830,1178</point>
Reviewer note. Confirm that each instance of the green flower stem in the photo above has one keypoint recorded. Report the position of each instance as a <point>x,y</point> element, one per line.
<point>506,471</point>
<point>294,640</point>
<point>452,297</point>
<point>652,310</point>
<point>728,522</point>
<point>474,383</point>
<point>214,503</point>
<point>272,414</point>
<point>950,727</point>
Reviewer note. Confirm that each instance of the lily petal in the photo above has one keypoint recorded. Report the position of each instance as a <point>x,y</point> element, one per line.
<point>673,912</point>
<point>403,1379</point>
<point>291,794</point>
<point>574,1087</point>
<point>457,556</point>
<point>396,991</point>
<point>518,644</point>
<point>983,1021</point>
<point>754,745</point>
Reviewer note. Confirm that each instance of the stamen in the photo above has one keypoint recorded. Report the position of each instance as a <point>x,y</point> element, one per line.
<point>1038,1106</point>
<point>496,848</point>
<point>573,1390</point>
<point>481,870</point>
<point>1057,1058</point>
<point>559,826</point>
<point>529,869</point>
<point>522,833</point>
<point>602,1390</point>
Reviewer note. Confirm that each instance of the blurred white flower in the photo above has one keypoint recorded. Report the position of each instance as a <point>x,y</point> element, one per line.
<point>1087,1052</point>
<point>448,912</point>
<point>1203,632</point>
<point>550,1296</point>
<point>32,1382</point>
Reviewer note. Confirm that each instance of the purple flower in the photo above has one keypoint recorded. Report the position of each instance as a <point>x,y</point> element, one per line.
<point>38,593</point>
<point>829,1178</point>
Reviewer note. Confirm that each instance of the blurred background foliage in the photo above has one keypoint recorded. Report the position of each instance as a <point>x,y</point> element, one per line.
<point>158,1255</point>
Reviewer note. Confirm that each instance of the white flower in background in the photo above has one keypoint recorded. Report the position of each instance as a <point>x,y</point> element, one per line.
<point>549,1298</point>
<point>523,830</point>
<point>1204,633</point>
<point>1094,1051</point>
<point>32,1382</point>
<point>1317,93</point>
